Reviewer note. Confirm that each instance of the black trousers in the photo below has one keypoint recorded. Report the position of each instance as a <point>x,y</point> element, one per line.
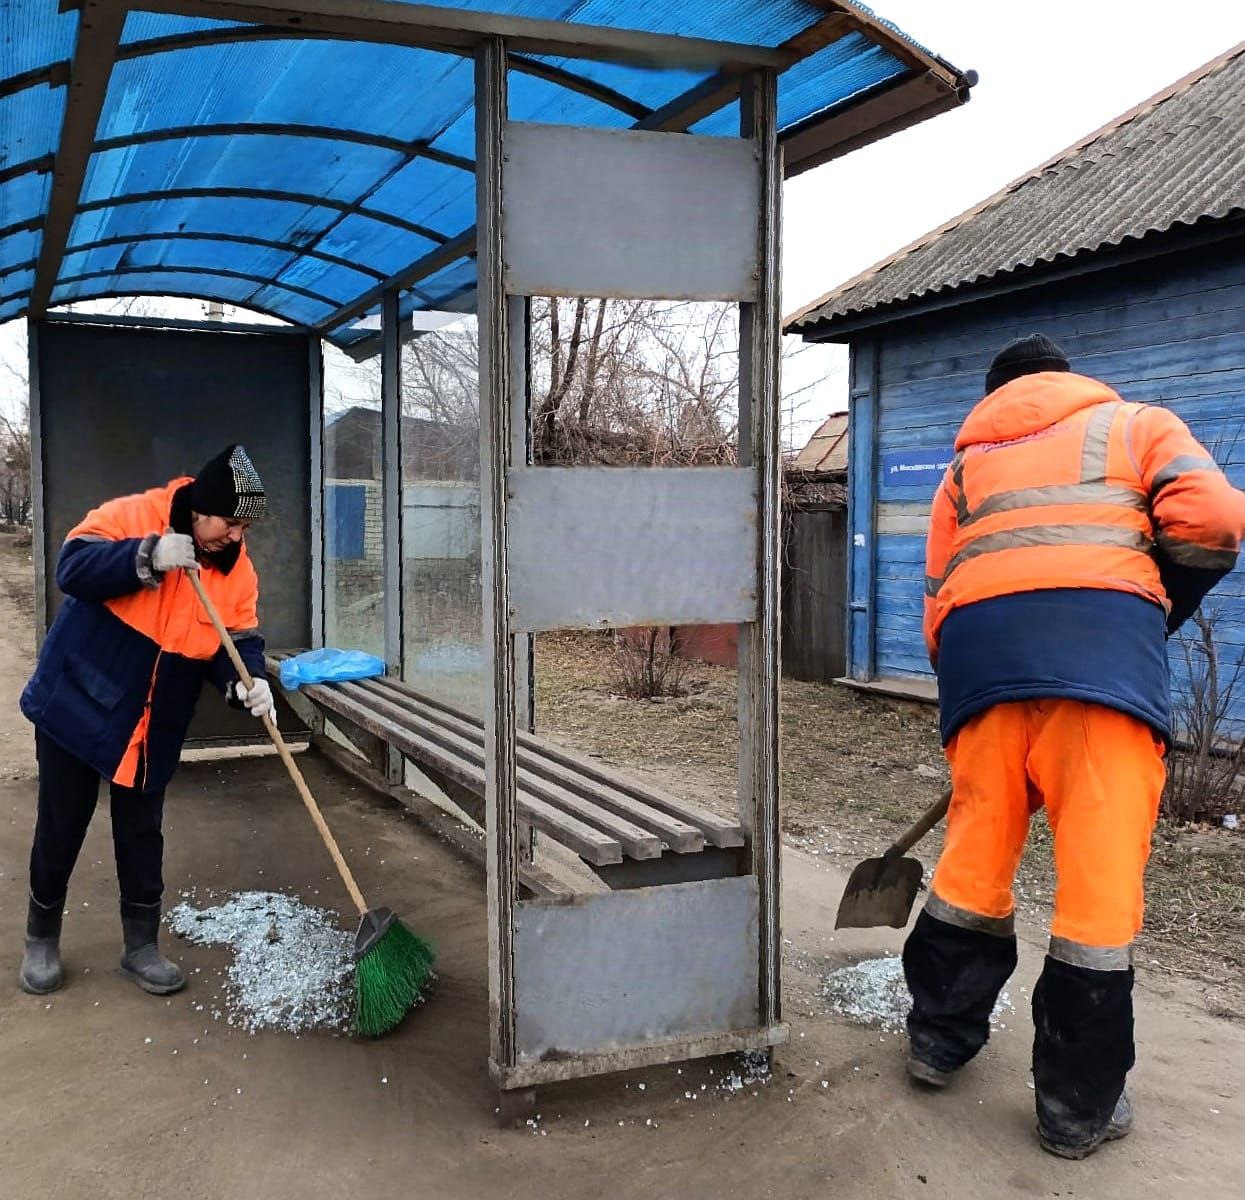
<point>68,791</point>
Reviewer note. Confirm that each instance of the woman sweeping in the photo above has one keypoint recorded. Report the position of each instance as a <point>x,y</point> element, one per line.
<point>116,685</point>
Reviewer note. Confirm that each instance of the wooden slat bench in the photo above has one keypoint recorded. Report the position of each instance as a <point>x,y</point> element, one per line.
<point>630,835</point>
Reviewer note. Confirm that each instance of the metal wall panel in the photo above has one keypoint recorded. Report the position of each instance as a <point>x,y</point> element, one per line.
<point>626,968</point>
<point>594,212</point>
<point>128,408</point>
<point>604,546</point>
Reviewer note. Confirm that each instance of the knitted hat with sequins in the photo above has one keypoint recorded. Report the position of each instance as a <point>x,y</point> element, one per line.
<point>229,486</point>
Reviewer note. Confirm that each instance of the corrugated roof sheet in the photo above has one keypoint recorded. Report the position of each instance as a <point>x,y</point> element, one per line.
<point>299,175</point>
<point>826,450</point>
<point>1174,160</point>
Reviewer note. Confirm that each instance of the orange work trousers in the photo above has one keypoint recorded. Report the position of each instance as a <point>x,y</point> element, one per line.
<point>1098,772</point>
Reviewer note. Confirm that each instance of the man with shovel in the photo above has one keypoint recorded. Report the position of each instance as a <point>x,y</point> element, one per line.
<point>1072,533</point>
<point>116,685</point>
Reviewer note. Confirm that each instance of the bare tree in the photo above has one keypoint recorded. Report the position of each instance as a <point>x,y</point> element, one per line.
<point>1202,772</point>
<point>647,665</point>
<point>633,381</point>
<point>441,376</point>
<point>14,435</point>
<point>15,467</point>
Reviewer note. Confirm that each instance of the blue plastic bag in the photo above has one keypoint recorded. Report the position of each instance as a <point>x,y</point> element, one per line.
<point>329,666</point>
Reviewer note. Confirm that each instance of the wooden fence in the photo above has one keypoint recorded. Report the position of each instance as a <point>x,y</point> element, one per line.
<point>814,618</point>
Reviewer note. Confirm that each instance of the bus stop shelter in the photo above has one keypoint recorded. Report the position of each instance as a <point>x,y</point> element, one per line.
<point>344,165</point>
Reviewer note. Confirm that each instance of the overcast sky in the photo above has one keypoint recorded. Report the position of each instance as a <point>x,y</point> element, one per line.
<point>1051,72</point>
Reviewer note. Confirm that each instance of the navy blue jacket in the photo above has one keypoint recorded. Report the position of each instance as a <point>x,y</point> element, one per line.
<point>1092,644</point>
<point>121,669</point>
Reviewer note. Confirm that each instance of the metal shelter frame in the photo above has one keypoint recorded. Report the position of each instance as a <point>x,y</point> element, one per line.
<point>645,974</point>
<point>515,250</point>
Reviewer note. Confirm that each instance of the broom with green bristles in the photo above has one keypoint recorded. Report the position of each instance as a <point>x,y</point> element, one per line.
<point>393,966</point>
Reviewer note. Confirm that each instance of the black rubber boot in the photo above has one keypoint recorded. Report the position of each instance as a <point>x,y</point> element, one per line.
<point>1119,1126</point>
<point>41,963</point>
<point>1082,1053</point>
<point>955,976</point>
<point>142,960</point>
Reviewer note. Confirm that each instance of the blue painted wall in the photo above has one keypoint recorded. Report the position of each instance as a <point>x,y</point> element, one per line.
<point>1170,330</point>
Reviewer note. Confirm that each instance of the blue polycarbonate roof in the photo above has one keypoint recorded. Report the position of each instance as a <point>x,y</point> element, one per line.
<point>299,176</point>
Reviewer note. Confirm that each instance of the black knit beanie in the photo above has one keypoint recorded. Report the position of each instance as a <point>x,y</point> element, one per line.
<point>229,486</point>
<point>1025,356</point>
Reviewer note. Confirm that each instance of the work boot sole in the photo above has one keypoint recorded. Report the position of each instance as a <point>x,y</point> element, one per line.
<point>1076,1153</point>
<point>30,989</point>
<point>155,989</point>
<point>923,1073</point>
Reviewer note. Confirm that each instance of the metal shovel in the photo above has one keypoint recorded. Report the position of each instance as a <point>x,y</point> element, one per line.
<point>881,891</point>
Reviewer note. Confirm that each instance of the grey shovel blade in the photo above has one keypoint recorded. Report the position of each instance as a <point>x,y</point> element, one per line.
<point>881,891</point>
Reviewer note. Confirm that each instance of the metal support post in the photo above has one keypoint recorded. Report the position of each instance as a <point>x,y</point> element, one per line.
<point>99,34</point>
<point>38,542</point>
<point>519,320</point>
<point>495,449</point>
<point>760,446</point>
<point>391,496</point>
<point>315,425</point>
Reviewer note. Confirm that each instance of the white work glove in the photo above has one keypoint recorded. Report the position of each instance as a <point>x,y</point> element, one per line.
<point>172,551</point>
<point>258,699</point>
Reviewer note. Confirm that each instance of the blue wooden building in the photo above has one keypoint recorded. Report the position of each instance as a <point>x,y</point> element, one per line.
<point>1129,250</point>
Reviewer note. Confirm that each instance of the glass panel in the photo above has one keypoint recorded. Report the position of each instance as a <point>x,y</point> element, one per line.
<point>353,576</point>
<point>441,515</point>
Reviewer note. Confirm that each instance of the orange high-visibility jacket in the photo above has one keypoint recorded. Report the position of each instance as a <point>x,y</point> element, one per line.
<point>1058,483</point>
<point>123,664</point>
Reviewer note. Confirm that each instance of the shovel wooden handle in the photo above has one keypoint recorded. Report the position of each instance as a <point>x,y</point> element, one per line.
<point>326,835</point>
<point>928,819</point>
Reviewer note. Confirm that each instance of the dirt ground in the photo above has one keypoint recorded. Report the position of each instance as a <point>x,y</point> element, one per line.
<point>106,1092</point>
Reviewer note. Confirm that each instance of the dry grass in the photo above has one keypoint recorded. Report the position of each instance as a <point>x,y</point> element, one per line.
<point>856,770</point>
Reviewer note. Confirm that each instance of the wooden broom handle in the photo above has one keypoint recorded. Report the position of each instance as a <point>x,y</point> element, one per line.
<point>326,835</point>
